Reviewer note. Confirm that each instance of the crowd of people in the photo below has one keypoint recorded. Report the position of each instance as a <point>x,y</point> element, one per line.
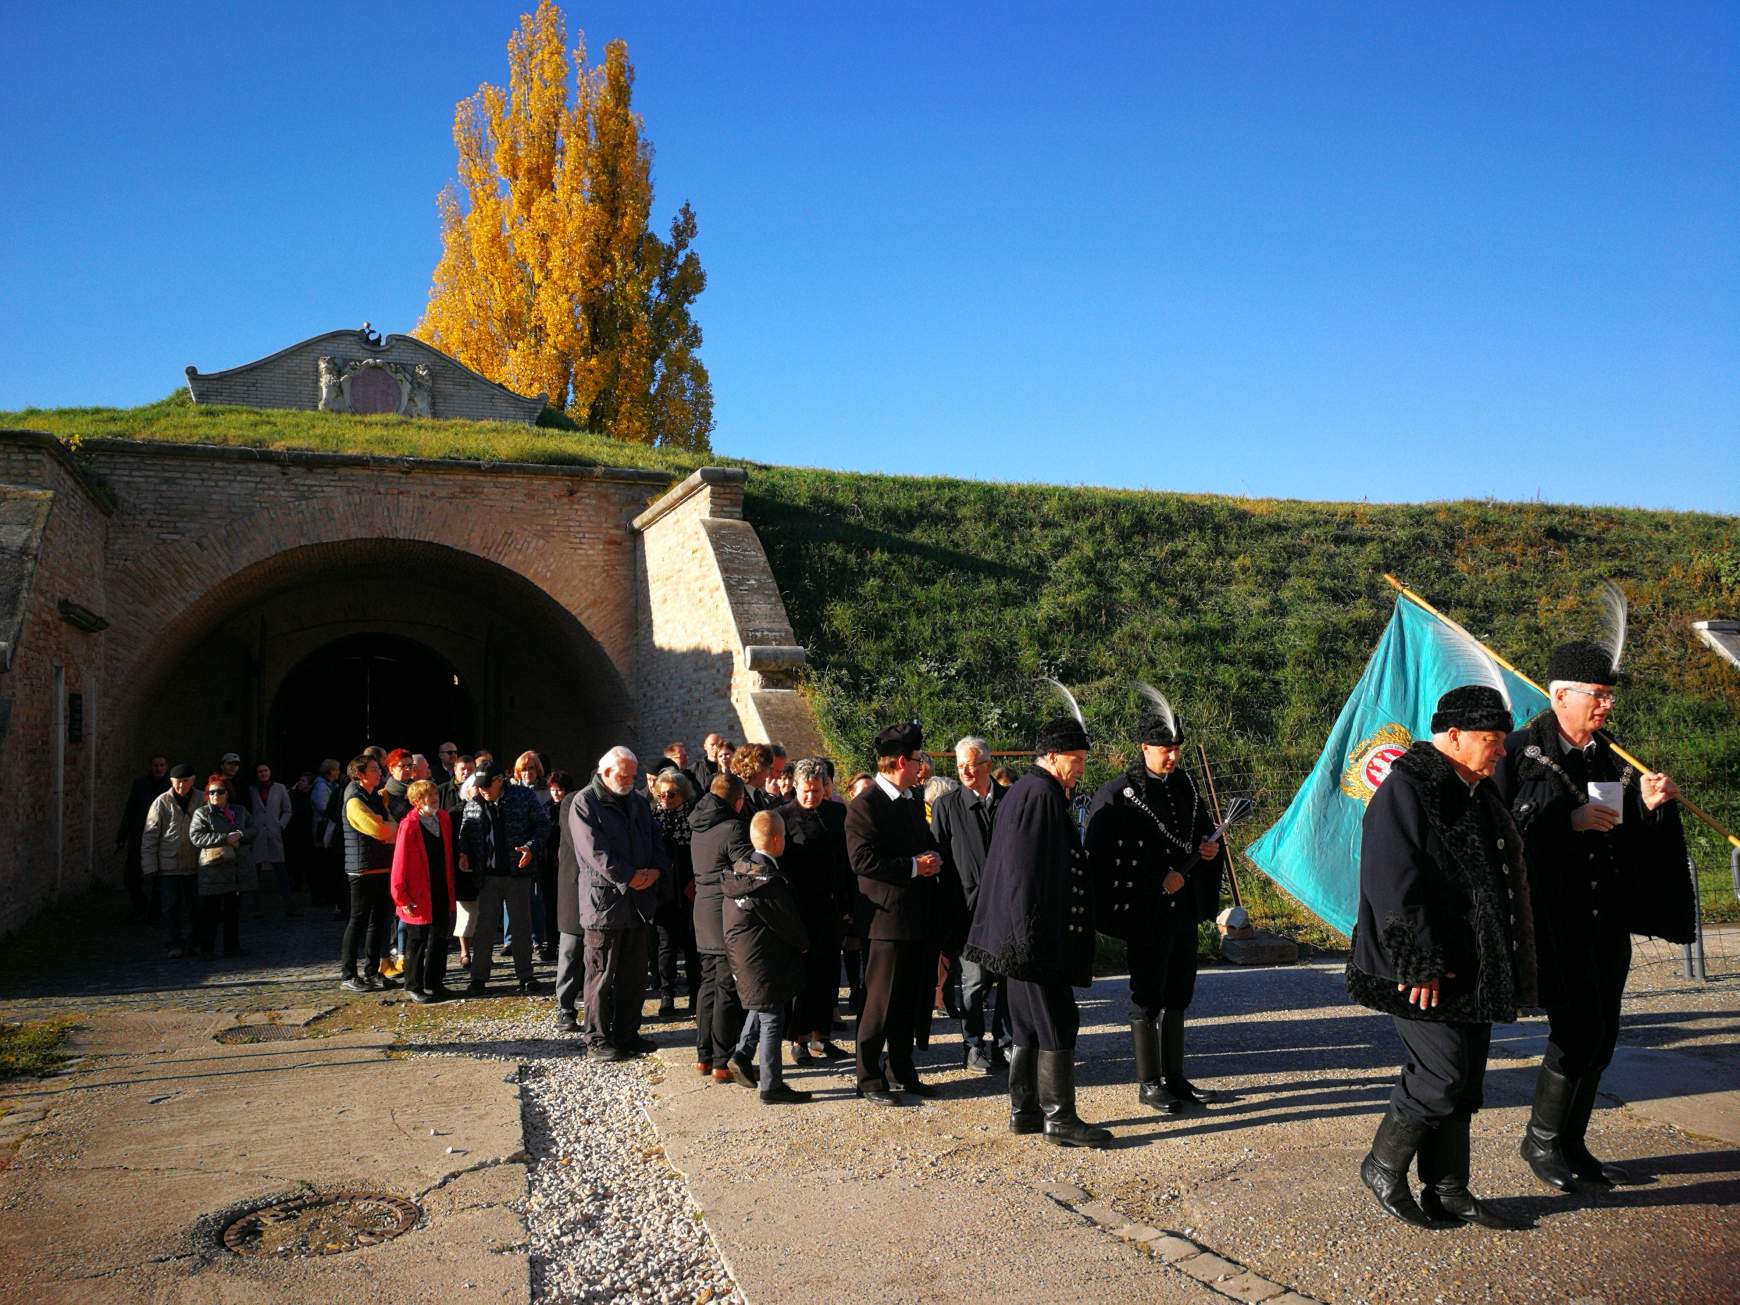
<point>770,888</point>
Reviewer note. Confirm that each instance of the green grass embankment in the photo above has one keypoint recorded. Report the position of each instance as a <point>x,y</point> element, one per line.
<point>945,599</point>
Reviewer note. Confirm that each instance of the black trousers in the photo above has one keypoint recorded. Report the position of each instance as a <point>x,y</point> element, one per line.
<point>1043,1015</point>
<point>676,936</point>
<point>1582,1032</point>
<point>1163,966</point>
<point>371,916</point>
<point>426,947</point>
<point>896,976</point>
<point>1445,1070</point>
<point>718,1014</point>
<point>220,906</point>
<point>852,961</point>
<point>615,985</point>
<point>551,930</point>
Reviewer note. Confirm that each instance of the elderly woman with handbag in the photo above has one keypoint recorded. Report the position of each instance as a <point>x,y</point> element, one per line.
<point>221,832</point>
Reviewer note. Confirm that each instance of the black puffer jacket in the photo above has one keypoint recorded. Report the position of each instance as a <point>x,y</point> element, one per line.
<point>765,937</point>
<point>719,838</point>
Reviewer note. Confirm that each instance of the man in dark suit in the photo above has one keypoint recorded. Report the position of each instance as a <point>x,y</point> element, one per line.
<point>892,852</point>
<point>961,821</point>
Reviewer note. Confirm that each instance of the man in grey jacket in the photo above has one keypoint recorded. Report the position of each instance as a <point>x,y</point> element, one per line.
<point>166,851</point>
<point>621,859</point>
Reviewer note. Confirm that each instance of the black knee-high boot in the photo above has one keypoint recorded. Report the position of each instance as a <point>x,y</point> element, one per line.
<point>1172,1063</point>
<point>1543,1139</point>
<point>1385,1168</point>
<point>1025,1115</point>
<point>1573,1146</point>
<point>1150,1091</point>
<point>1063,1127</point>
<point>1444,1165</point>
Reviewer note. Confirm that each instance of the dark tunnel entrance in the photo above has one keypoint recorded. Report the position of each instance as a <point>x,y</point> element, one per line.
<point>370,688</point>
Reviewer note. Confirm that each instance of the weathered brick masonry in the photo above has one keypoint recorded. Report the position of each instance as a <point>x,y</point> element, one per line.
<point>584,616</point>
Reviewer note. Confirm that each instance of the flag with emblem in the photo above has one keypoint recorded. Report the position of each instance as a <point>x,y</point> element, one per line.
<point>1313,849</point>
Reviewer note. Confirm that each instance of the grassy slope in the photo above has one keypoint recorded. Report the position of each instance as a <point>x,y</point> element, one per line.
<point>943,599</point>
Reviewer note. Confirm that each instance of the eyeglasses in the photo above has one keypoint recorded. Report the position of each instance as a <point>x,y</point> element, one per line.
<point>217,792</point>
<point>449,752</point>
<point>1599,695</point>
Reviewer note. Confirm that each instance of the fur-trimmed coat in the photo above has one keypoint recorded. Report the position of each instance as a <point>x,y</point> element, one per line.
<point>1589,885</point>
<point>1035,916</point>
<point>1442,892</point>
<point>1140,827</point>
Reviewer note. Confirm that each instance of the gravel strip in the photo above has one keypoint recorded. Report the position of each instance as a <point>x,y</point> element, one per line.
<point>609,1219</point>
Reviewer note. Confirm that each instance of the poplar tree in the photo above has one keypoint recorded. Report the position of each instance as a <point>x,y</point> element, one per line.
<point>551,279</point>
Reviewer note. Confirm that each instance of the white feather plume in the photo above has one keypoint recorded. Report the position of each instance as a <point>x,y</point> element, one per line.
<point>1467,662</point>
<point>1615,612</point>
<point>1068,698</point>
<point>1157,701</point>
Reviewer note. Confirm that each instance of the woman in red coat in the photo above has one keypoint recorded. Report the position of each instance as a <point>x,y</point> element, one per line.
<point>424,898</point>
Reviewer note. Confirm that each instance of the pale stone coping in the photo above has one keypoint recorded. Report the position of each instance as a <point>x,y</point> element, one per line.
<point>316,458</point>
<point>694,483</point>
<point>774,656</point>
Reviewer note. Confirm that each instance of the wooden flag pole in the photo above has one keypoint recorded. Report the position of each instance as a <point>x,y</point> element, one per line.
<point>1214,806</point>
<point>1683,800</point>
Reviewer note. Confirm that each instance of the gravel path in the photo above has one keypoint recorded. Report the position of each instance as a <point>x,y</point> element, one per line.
<point>610,1219</point>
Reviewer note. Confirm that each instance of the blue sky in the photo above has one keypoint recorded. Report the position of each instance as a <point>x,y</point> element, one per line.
<point>1352,251</point>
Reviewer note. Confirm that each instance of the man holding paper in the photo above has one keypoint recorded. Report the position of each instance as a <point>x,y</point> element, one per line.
<point>1607,859</point>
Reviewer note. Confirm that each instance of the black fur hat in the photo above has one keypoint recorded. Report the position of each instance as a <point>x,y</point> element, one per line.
<point>900,740</point>
<point>1157,729</point>
<point>1472,707</point>
<point>1582,662</point>
<point>1064,734</point>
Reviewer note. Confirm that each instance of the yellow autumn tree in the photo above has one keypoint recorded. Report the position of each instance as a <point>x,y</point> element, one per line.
<point>551,279</point>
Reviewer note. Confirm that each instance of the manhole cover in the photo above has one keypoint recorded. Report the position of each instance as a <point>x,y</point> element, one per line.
<point>261,1033</point>
<point>327,1224</point>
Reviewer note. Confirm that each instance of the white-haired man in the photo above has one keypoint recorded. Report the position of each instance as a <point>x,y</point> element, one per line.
<point>961,821</point>
<point>623,865</point>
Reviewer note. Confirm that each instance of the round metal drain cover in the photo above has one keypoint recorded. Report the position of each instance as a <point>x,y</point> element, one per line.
<point>260,1033</point>
<point>326,1224</point>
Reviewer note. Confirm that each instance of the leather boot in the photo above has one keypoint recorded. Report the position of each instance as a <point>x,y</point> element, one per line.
<point>1444,1166</point>
<point>1181,1089</point>
<point>1024,1113</point>
<point>1385,1168</point>
<point>1149,1090</point>
<point>1572,1145</point>
<point>1543,1138</point>
<point>1063,1127</point>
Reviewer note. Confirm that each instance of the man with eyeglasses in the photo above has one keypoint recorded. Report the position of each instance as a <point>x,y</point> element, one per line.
<point>445,756</point>
<point>1606,858</point>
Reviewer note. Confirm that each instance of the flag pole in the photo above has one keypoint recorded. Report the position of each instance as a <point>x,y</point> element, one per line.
<point>1683,800</point>
<point>1214,806</point>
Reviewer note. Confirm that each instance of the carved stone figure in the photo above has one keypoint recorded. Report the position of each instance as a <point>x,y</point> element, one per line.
<point>332,396</point>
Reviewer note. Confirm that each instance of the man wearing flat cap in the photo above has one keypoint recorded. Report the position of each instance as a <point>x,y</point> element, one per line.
<point>1443,944</point>
<point>1607,859</point>
<point>1034,925</point>
<point>890,848</point>
<point>1156,876</point>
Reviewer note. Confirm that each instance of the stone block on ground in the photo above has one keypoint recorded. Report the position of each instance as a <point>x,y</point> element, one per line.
<point>1172,1248</point>
<point>1261,948</point>
<point>1208,1267</point>
<point>1250,1287</point>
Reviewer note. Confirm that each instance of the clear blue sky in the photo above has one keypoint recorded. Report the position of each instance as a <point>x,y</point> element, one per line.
<point>1382,251</point>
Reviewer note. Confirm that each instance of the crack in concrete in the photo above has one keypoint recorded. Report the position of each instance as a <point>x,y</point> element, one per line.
<point>520,1157</point>
<point>134,1268</point>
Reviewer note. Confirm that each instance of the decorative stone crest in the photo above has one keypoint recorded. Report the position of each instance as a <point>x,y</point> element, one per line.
<point>374,385</point>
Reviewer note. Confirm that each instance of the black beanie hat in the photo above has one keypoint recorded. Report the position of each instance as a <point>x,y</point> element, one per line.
<point>183,771</point>
<point>1471,707</point>
<point>1064,734</point>
<point>1582,662</point>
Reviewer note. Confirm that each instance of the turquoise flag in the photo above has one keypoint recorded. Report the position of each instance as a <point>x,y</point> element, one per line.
<point>1313,849</point>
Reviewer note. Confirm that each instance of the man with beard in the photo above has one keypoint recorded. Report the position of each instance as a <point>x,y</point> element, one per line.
<point>1607,859</point>
<point>894,856</point>
<point>1156,876</point>
<point>1034,925</point>
<point>1442,944</point>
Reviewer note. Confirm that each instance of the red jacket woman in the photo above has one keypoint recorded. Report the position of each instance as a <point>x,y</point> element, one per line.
<point>410,881</point>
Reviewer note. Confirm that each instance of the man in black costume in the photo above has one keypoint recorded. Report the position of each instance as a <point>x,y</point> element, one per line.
<point>1156,876</point>
<point>1035,926</point>
<point>1443,944</point>
<point>1600,872</point>
<point>894,856</point>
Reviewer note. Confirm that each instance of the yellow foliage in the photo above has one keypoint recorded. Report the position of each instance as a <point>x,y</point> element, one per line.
<point>550,280</point>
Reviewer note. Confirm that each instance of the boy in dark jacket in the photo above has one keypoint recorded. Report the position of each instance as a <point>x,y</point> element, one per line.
<point>765,940</point>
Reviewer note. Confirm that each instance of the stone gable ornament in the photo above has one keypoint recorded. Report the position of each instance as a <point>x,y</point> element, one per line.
<point>374,385</point>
